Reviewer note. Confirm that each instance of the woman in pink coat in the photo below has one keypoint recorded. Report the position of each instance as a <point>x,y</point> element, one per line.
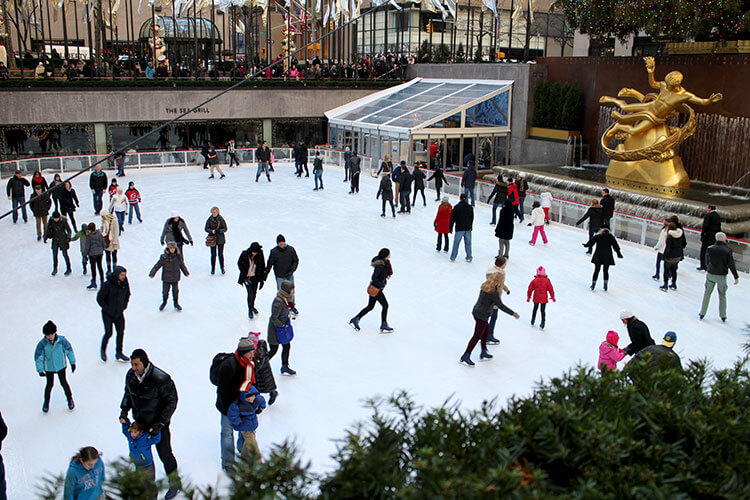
<point>609,353</point>
<point>540,287</point>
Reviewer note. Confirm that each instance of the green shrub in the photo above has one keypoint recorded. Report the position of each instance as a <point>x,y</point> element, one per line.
<point>460,53</point>
<point>558,105</point>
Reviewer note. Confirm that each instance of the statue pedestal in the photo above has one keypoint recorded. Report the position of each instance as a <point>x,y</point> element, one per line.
<point>667,177</point>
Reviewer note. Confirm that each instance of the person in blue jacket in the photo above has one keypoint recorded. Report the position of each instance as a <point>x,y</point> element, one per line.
<point>85,477</point>
<point>243,415</point>
<point>50,356</point>
<point>140,443</point>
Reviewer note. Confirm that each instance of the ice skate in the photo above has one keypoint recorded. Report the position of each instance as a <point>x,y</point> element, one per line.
<point>385,328</point>
<point>122,358</point>
<point>71,404</point>
<point>466,360</point>
<point>354,323</point>
<point>485,355</point>
<point>285,370</point>
<point>163,305</point>
<point>492,341</point>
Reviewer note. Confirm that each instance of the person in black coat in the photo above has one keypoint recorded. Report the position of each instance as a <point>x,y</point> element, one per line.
<point>97,184</point>
<point>672,255</point>
<point>605,243</point>
<point>40,204</point>
<point>469,180</point>
<point>252,266</point>
<point>59,232</point>
<point>500,193</point>
<point>386,191</point>
<point>711,226</point>
<point>504,228</point>
<point>300,158</point>
<point>68,202</point>
<point>462,217</point>
<point>113,298</point>
<point>284,261</point>
<point>404,189</point>
<point>638,332</point>
<point>216,226</point>
<point>439,180</point>
<point>151,395</point>
<point>418,176</point>
<point>608,206</point>
<point>595,215</point>
<point>354,170</point>
<point>264,379</point>
<point>17,194</point>
<point>382,270</point>
<point>263,157</point>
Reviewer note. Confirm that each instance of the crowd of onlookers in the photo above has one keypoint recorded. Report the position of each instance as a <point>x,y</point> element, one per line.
<point>385,66</point>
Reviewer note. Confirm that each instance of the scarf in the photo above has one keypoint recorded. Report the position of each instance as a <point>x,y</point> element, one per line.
<point>389,268</point>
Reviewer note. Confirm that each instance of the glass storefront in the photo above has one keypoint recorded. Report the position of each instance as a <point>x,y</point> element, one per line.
<point>46,140</point>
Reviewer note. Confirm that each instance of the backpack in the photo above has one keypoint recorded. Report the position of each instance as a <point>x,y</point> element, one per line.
<point>213,373</point>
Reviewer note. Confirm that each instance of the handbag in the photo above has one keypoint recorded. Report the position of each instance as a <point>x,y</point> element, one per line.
<point>285,334</point>
<point>210,240</point>
<point>372,290</point>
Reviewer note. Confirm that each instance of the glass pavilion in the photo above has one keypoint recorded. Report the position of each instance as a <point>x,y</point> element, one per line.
<point>459,116</point>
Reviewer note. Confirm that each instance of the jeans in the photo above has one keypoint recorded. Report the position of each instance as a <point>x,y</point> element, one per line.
<point>379,298</point>
<point>98,200</point>
<point>495,206</point>
<point>659,257</point>
<point>18,202</point>
<point>481,333</point>
<point>469,192</point>
<point>134,208</point>
<point>592,232</point>
<point>120,170</point>
<point>493,320</point>
<point>440,240</point>
<point>318,178</point>
<point>537,231</point>
<point>55,248</point>
<point>262,167</point>
<point>503,247</point>
<point>51,383</point>
<point>120,219</point>
<point>227,443</point>
<point>520,204</point>
<point>720,282</point>
<point>461,235</point>
<point>404,201</point>
<point>119,324</point>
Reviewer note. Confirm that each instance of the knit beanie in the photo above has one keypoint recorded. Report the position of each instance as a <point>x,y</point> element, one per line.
<point>245,345</point>
<point>280,238</point>
<point>626,315</point>
<point>613,337</point>
<point>540,271</point>
<point>255,337</point>
<point>49,327</point>
<point>287,286</point>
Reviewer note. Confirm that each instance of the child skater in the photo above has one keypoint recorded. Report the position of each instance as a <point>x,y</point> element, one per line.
<point>49,356</point>
<point>171,264</point>
<point>540,286</point>
<point>243,415</point>
<point>609,353</point>
<point>134,199</point>
<point>386,191</point>
<point>537,220</point>
<point>140,442</point>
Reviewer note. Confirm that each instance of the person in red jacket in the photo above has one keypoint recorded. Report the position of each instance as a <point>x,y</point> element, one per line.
<point>134,199</point>
<point>540,287</point>
<point>513,196</point>
<point>442,223</point>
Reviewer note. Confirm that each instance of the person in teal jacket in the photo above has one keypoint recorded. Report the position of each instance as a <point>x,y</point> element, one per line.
<point>50,356</point>
<point>85,477</point>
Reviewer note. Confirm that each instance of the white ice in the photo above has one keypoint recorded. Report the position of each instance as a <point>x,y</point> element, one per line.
<point>335,235</point>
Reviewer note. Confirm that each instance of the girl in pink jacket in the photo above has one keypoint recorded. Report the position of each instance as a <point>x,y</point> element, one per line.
<point>540,286</point>
<point>609,353</point>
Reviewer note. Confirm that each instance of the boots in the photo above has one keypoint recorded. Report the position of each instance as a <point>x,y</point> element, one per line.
<point>491,340</point>
<point>121,357</point>
<point>285,370</point>
<point>177,307</point>
<point>354,322</point>
<point>163,304</point>
<point>605,285</point>
<point>485,355</point>
<point>593,285</point>
<point>71,404</point>
<point>92,286</point>
<point>45,407</point>
<point>466,360</point>
<point>385,328</point>
<point>272,397</point>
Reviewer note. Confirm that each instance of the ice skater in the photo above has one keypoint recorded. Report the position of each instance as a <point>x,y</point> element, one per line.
<point>404,189</point>
<point>213,162</point>
<point>499,193</point>
<point>382,270</point>
<point>661,242</point>
<point>49,357</point>
<point>111,233</point>
<point>318,171</point>
<point>175,229</point>
<point>119,206</point>
<point>232,153</point>
<point>546,198</point>
<point>439,178</point>
<point>673,254</point>
<point>216,227</point>
<point>354,171</point>
<point>541,289</point>
<point>418,176</point>
<point>605,243</point>
<point>59,232</point>
<point>113,298</point>
<point>263,156</point>
<point>68,202</point>
<point>93,251</point>
<point>490,294</point>
<point>283,260</point>
<point>264,379</point>
<point>279,324</point>
<point>40,204</point>
<point>252,267</point>
<point>537,221</point>
<point>595,215</point>
<point>386,192</point>
<point>609,353</point>
<point>134,200</point>
<point>719,262</point>
<point>171,264</point>
<point>442,224</point>
<point>85,477</point>
<point>462,218</point>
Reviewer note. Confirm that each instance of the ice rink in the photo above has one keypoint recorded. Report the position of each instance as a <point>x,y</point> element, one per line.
<point>335,235</point>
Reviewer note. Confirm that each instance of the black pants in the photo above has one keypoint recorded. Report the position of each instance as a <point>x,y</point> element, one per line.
<point>355,182</point>
<point>380,297</point>
<point>72,219</point>
<point>252,290</point>
<point>543,308</point>
<point>51,383</point>
<point>605,269</point>
<point>393,209</point>
<point>233,158</point>
<point>3,495</point>
<point>175,286</point>
<point>303,164</point>
<point>285,348</point>
<point>424,200</point>
<point>206,162</point>
<point>111,259</point>
<point>670,270</point>
<point>404,201</point>
<point>220,250</point>
<point>440,239</point>
<point>96,263</point>
<point>55,248</point>
<point>164,449</point>
<point>119,324</point>
<point>438,187</point>
<point>704,247</point>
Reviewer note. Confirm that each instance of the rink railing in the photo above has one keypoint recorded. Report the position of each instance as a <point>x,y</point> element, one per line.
<point>624,226</point>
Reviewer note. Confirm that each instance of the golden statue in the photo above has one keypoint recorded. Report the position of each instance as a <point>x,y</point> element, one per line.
<point>646,159</point>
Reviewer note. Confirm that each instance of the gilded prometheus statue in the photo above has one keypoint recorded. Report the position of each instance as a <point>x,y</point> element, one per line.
<point>646,158</point>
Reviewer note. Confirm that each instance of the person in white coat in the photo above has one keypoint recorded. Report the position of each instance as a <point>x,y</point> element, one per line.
<point>119,206</point>
<point>537,220</point>
<point>546,204</point>
<point>661,244</point>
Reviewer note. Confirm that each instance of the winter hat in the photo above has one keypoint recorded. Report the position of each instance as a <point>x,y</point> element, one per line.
<point>669,339</point>
<point>540,271</point>
<point>280,238</point>
<point>131,184</point>
<point>613,337</point>
<point>287,286</point>
<point>626,315</point>
<point>140,354</point>
<point>56,215</point>
<point>171,244</point>
<point>175,214</point>
<point>721,237</point>
<point>245,345</point>
<point>49,328</point>
<point>255,337</point>
<point>403,163</point>
<point>91,226</point>
<point>445,199</point>
<point>255,247</point>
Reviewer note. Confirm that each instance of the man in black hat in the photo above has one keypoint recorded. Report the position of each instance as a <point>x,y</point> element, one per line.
<point>152,396</point>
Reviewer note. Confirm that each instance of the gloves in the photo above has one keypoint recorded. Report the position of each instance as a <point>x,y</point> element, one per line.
<point>42,374</point>
<point>191,243</point>
<point>259,411</point>
<point>151,276</point>
<point>619,256</point>
<point>124,415</point>
<point>125,421</point>
<point>528,300</point>
<point>260,285</point>
<point>583,244</point>
<point>553,300</point>
<point>73,367</point>
<point>155,430</point>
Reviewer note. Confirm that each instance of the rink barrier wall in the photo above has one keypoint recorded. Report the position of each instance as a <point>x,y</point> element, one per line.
<point>624,226</point>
